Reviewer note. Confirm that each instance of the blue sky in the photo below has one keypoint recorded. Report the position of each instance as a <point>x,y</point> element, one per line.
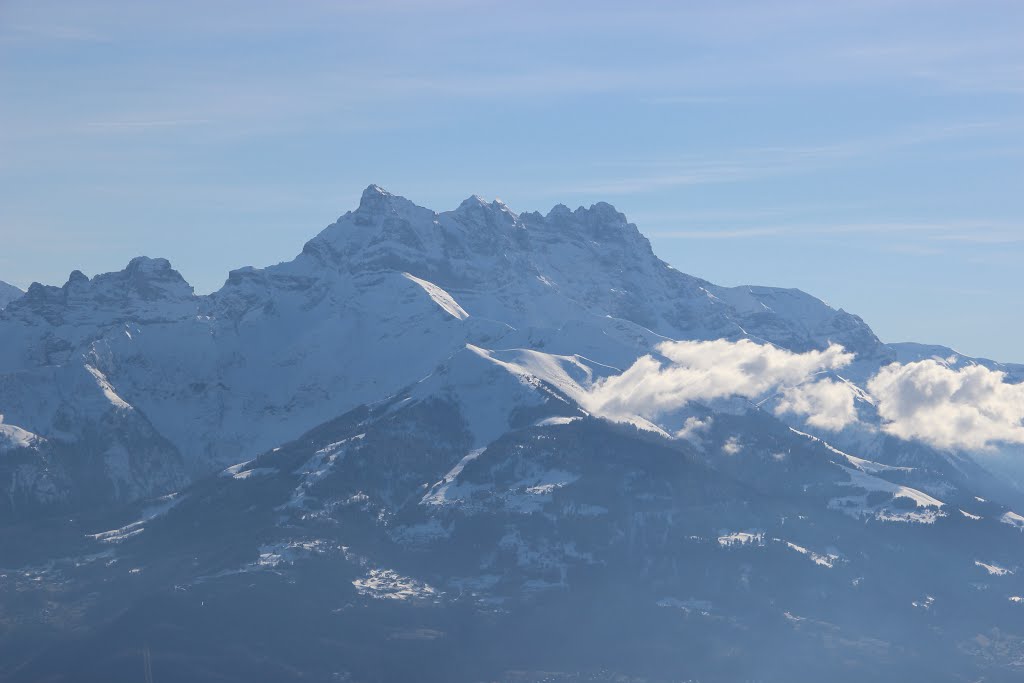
<point>868,152</point>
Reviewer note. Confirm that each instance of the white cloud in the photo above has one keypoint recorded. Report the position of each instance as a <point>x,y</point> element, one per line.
<point>970,408</point>
<point>747,164</point>
<point>693,429</point>
<point>708,370</point>
<point>827,404</point>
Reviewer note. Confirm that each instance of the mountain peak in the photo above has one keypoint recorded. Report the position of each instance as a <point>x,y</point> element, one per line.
<point>372,193</point>
<point>601,223</point>
<point>150,278</point>
<point>146,289</point>
<point>471,202</point>
<point>558,211</point>
<point>601,211</point>
<point>476,207</point>
<point>75,277</point>
<point>588,254</point>
<point>376,200</point>
<point>376,203</point>
<point>145,264</point>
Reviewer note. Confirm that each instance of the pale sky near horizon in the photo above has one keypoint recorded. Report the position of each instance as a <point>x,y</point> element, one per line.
<point>867,152</point>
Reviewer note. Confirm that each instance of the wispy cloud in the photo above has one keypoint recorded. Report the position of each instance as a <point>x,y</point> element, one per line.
<point>12,34</point>
<point>724,233</point>
<point>984,236</point>
<point>144,124</point>
<point>979,231</point>
<point>760,162</point>
<point>688,99</point>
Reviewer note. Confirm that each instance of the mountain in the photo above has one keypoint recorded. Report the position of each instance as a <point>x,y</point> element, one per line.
<point>279,350</point>
<point>481,445</point>
<point>8,293</point>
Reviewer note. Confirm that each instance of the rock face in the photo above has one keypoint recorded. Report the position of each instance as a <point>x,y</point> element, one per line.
<point>381,461</point>
<point>8,293</point>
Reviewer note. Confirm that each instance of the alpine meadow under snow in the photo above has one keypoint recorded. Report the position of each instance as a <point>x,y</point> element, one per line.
<point>481,445</point>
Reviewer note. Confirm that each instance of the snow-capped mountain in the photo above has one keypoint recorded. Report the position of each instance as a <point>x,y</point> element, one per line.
<point>481,445</point>
<point>372,303</point>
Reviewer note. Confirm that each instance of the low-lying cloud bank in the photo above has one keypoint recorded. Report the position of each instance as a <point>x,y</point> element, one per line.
<point>704,371</point>
<point>968,408</point>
